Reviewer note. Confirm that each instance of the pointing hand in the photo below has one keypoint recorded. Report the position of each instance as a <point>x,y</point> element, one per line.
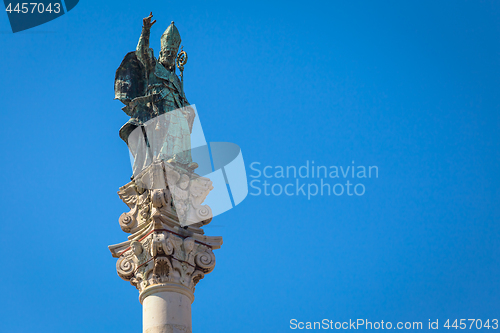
<point>146,22</point>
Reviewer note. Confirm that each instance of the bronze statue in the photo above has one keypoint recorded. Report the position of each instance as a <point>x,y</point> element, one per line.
<point>160,116</point>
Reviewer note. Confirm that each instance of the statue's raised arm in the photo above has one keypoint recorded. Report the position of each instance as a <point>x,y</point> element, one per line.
<point>143,53</point>
<point>131,79</point>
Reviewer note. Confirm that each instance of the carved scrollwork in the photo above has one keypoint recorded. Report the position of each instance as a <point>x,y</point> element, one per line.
<point>205,260</point>
<point>162,257</point>
<point>125,267</point>
<point>139,204</point>
<point>203,213</point>
<point>160,250</point>
<point>128,220</point>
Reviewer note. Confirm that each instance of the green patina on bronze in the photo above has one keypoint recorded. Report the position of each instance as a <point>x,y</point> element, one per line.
<point>149,87</point>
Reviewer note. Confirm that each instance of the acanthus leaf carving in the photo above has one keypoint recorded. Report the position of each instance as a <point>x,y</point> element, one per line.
<point>164,256</point>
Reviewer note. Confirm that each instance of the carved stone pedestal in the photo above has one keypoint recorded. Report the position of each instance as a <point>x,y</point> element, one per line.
<point>162,259</point>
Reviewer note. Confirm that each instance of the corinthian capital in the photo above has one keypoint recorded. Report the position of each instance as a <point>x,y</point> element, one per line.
<point>164,256</point>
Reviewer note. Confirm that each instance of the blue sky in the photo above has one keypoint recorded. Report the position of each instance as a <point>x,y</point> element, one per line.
<point>411,87</point>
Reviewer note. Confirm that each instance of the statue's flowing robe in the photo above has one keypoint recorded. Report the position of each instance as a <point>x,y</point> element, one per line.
<point>151,93</point>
